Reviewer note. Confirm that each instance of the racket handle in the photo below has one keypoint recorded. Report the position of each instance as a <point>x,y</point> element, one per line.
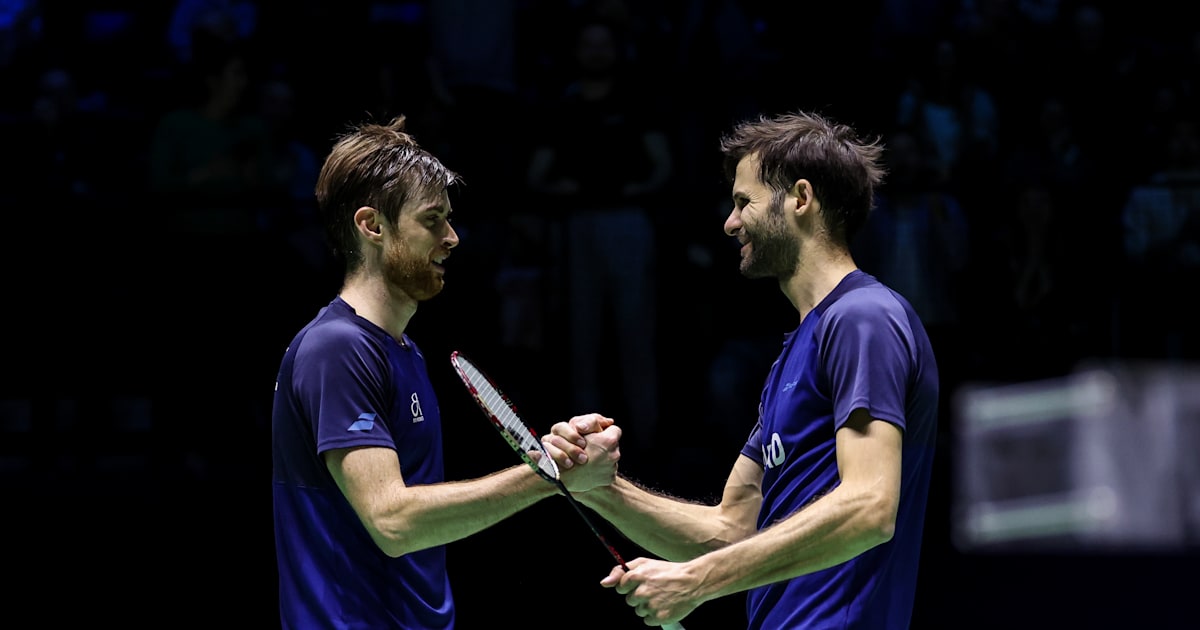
<point>673,626</point>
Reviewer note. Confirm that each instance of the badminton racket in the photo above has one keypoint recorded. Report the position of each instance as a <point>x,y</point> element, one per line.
<point>502,413</point>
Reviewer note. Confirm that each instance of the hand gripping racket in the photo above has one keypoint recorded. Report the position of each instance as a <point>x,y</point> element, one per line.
<point>503,415</point>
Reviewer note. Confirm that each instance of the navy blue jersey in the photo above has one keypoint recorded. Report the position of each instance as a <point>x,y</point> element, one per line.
<point>862,347</point>
<point>345,382</point>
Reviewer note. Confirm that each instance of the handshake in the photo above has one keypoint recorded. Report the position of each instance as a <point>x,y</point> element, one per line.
<point>586,450</point>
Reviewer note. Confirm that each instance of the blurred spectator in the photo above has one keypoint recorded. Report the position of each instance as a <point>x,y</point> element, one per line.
<point>211,188</point>
<point>719,43</point>
<point>1090,59</point>
<point>20,28</point>
<point>473,111</point>
<point>1161,219</point>
<point>473,74</point>
<point>1189,70</point>
<point>953,114</point>
<point>57,140</point>
<point>1038,317</point>
<point>916,240</point>
<point>600,162</point>
<point>901,26</point>
<point>1052,150</point>
<point>290,214</point>
<point>208,154</point>
<point>227,20</point>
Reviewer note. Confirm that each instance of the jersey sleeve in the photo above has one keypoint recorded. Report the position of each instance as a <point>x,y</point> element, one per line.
<point>753,446</point>
<point>342,379</point>
<point>866,349</point>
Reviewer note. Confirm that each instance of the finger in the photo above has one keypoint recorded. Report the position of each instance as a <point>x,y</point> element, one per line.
<point>591,423</point>
<point>613,578</point>
<point>561,453</point>
<point>570,432</point>
<point>609,438</point>
<point>636,562</point>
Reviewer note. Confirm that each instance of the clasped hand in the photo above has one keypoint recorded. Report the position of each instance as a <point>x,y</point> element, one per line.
<point>590,439</point>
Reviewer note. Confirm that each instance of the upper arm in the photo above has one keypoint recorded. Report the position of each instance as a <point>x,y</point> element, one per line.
<point>367,477</point>
<point>868,460</point>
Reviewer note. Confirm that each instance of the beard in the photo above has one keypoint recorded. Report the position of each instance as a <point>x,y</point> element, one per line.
<point>773,250</point>
<point>410,273</point>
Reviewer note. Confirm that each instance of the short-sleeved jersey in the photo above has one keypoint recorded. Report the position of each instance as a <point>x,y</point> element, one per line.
<point>345,382</point>
<point>862,347</point>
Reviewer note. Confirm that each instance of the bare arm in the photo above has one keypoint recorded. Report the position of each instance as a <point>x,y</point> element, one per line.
<point>676,529</point>
<point>855,516</point>
<point>403,518</point>
<point>666,526</point>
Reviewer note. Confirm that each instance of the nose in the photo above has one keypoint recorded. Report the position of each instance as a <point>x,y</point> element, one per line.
<point>733,222</point>
<point>451,238</point>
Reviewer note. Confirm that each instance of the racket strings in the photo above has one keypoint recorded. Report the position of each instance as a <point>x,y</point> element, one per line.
<point>501,409</point>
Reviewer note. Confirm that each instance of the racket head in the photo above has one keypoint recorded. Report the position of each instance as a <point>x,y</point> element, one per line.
<point>503,415</point>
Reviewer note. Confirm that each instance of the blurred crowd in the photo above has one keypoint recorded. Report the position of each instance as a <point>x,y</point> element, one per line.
<point>1041,206</point>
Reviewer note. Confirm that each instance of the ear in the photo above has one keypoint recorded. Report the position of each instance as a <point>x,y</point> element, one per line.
<point>369,222</point>
<point>802,194</point>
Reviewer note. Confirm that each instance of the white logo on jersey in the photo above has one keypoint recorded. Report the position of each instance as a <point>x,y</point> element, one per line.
<point>773,453</point>
<point>415,408</point>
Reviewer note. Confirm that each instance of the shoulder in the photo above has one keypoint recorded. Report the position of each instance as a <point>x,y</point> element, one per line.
<point>335,334</point>
<point>861,297</point>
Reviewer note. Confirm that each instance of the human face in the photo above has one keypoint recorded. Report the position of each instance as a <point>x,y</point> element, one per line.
<point>412,260</point>
<point>760,224</point>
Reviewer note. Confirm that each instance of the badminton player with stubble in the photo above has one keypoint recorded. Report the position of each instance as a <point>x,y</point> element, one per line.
<point>362,509</point>
<point>820,521</point>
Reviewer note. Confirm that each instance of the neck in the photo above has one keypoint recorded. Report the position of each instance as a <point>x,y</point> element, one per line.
<point>376,303</point>
<point>817,275</point>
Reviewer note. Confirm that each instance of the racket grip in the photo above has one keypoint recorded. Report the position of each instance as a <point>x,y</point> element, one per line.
<point>673,626</point>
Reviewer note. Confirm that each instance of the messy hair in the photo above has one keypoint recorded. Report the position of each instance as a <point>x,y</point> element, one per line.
<point>376,165</point>
<point>844,169</point>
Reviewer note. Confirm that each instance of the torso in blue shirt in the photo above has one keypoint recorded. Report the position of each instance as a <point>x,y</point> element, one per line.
<point>345,382</point>
<point>863,346</point>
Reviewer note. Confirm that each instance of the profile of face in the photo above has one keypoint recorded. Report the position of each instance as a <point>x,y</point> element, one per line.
<point>760,223</point>
<point>422,240</point>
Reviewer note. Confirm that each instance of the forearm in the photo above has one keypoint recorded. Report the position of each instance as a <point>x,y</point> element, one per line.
<point>671,528</point>
<point>419,517</point>
<point>831,530</point>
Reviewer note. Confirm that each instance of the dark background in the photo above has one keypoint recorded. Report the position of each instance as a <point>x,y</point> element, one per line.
<point>140,353</point>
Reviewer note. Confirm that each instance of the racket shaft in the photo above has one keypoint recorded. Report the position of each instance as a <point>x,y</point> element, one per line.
<point>612,551</point>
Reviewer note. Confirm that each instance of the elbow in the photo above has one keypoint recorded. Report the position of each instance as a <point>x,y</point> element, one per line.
<point>878,523</point>
<point>391,543</point>
<point>882,525</point>
<point>390,536</point>
<point>883,531</point>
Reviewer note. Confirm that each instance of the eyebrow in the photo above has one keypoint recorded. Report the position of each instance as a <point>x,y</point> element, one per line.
<point>436,208</point>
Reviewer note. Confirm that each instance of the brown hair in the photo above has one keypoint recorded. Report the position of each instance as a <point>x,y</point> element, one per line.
<point>843,168</point>
<point>377,165</point>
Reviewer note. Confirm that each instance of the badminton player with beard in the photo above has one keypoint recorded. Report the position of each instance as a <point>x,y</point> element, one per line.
<point>820,521</point>
<point>362,510</point>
